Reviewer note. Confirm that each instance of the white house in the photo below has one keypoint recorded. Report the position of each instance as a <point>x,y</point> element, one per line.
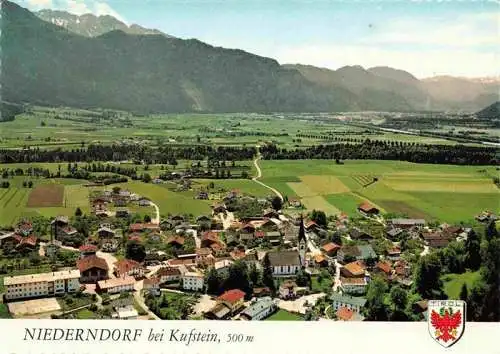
<point>353,285</point>
<point>259,310</point>
<point>43,284</point>
<point>169,274</point>
<point>284,263</point>
<point>192,281</point>
<point>350,302</point>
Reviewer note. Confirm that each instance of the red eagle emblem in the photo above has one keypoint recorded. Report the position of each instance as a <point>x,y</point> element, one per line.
<point>446,324</point>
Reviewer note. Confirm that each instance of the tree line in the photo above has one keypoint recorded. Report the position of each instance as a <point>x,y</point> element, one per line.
<point>135,152</point>
<point>383,150</point>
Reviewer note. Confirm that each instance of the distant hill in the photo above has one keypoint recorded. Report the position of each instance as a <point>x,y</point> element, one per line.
<point>457,93</point>
<point>90,25</point>
<point>88,61</point>
<point>379,88</point>
<point>490,112</point>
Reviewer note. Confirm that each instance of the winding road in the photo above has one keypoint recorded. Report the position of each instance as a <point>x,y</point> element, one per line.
<point>259,175</point>
<point>156,219</point>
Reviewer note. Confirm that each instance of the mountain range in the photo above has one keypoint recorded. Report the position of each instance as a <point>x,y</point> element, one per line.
<point>55,58</point>
<point>90,25</point>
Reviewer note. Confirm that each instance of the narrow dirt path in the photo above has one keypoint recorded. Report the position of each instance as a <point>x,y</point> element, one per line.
<point>156,219</point>
<point>259,175</point>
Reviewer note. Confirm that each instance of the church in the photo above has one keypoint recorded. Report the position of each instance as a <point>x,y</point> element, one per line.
<point>289,262</point>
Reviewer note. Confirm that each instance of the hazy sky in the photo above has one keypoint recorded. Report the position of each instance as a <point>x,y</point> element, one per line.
<point>427,38</point>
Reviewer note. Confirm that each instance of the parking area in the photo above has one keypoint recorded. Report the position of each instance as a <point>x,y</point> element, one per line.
<point>33,307</point>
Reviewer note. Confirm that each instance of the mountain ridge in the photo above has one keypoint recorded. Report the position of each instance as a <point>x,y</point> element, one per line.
<point>45,63</point>
<point>91,25</point>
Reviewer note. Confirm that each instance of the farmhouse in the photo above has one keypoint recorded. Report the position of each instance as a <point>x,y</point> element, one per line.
<point>368,209</point>
<point>129,267</point>
<point>43,284</point>
<point>330,248</point>
<point>24,228</point>
<point>87,250</point>
<point>25,243</point>
<point>105,232</point>
<point>407,223</point>
<point>284,263</point>
<point>259,310</point>
<point>355,269</point>
<point>357,234</point>
<point>176,241</point>
<point>392,233</point>
<point>92,269</point>
<point>116,285</point>
<point>437,239</point>
<point>394,253</point>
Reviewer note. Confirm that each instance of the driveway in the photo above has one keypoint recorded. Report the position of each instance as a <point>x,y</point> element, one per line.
<point>298,305</point>
<point>336,283</point>
<point>140,299</point>
<point>227,219</point>
<point>110,261</point>
<point>204,304</point>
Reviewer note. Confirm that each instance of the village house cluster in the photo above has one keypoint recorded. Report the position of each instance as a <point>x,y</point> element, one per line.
<point>287,245</point>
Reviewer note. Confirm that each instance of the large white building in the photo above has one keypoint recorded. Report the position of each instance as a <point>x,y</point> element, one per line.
<point>192,281</point>
<point>43,284</point>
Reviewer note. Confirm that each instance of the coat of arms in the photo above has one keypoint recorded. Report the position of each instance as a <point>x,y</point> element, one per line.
<point>446,319</point>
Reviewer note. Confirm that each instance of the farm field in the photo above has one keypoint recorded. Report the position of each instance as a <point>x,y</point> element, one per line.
<point>46,198</point>
<point>246,186</point>
<point>436,192</point>
<point>167,200</point>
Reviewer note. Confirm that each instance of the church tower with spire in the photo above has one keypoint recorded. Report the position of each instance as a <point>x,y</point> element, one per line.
<point>302,242</point>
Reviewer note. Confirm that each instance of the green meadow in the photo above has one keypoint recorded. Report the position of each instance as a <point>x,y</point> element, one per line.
<point>437,192</point>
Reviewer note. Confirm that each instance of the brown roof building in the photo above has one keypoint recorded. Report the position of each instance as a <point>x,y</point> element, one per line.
<point>92,269</point>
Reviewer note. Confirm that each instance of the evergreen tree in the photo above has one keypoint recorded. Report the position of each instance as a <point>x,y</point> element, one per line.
<point>255,275</point>
<point>213,282</point>
<point>473,251</point>
<point>376,310</point>
<point>427,277</point>
<point>78,212</point>
<point>267,274</point>
<point>464,293</point>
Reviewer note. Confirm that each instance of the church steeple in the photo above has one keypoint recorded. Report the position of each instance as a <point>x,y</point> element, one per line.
<point>302,243</point>
<point>302,232</point>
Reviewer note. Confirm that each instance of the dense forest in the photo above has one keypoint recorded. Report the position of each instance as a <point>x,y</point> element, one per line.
<point>385,150</point>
